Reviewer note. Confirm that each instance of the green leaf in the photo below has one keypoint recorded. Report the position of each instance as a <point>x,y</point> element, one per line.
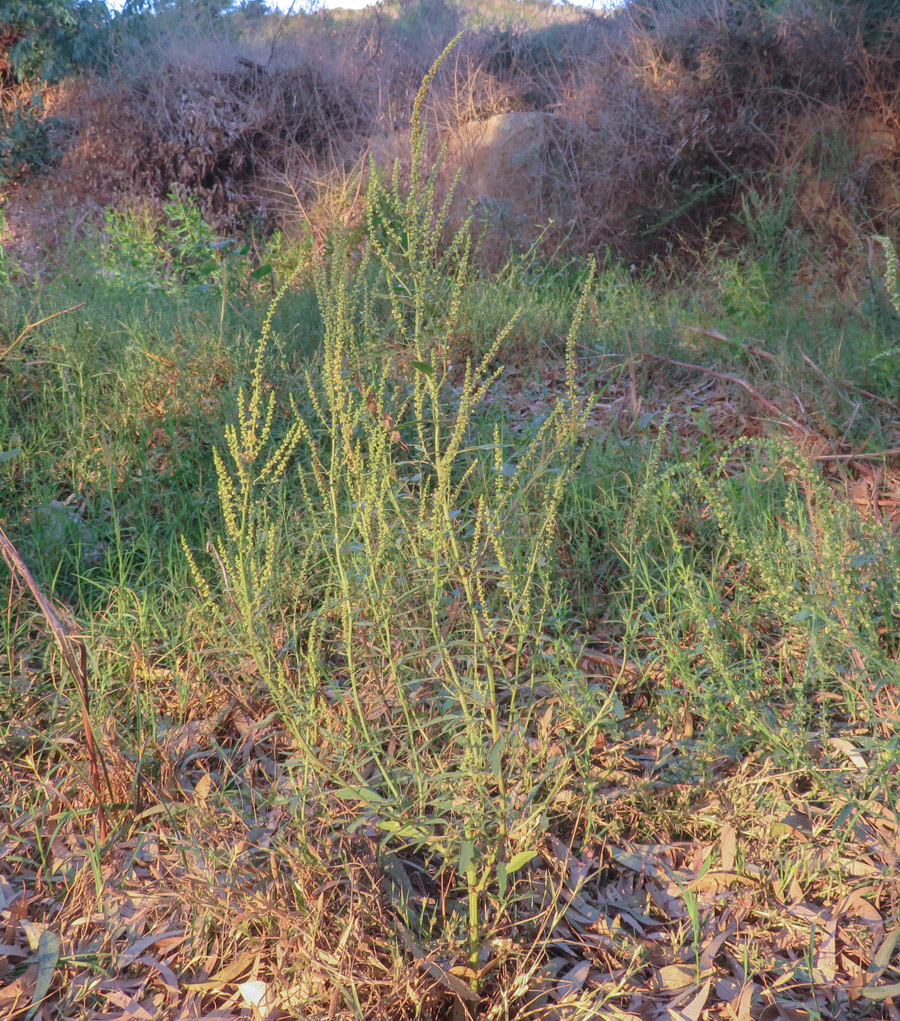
<point>401,829</point>
<point>502,876</point>
<point>518,860</point>
<point>424,367</point>
<point>466,854</point>
<point>8,455</point>
<point>47,958</point>
<point>261,271</point>
<point>881,992</point>
<point>862,560</point>
<point>359,794</point>
<point>885,952</point>
<point>496,757</point>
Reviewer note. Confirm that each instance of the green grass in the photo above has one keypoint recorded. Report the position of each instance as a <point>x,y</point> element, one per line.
<point>420,682</point>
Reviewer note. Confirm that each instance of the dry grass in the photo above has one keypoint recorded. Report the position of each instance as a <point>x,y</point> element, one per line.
<point>664,120</point>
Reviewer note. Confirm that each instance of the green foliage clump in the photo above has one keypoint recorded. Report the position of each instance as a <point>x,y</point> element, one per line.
<point>144,250</point>
<point>41,41</point>
<point>26,139</point>
<point>44,40</point>
<point>817,591</point>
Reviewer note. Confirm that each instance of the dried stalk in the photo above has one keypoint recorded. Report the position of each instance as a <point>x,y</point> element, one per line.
<point>844,385</point>
<point>33,326</point>
<point>74,653</point>
<point>761,352</point>
<point>874,455</point>
<point>730,377</point>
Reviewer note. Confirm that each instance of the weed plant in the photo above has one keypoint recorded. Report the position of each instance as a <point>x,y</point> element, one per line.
<point>172,250</point>
<point>410,683</point>
<point>812,618</point>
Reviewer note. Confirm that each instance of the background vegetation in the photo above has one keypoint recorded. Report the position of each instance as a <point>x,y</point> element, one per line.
<point>418,611</point>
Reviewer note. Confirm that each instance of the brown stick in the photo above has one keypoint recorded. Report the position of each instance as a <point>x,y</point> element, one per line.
<point>281,28</point>
<point>620,665</point>
<point>761,352</point>
<point>74,653</point>
<point>34,326</point>
<point>873,456</point>
<point>729,377</point>
<point>722,339</point>
<point>632,380</point>
<point>838,385</point>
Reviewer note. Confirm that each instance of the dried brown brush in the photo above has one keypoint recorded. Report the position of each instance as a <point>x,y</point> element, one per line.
<point>685,108</point>
<point>659,120</point>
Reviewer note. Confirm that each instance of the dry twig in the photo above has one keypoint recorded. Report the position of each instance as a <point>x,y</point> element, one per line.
<point>32,326</point>
<point>730,377</point>
<point>74,653</point>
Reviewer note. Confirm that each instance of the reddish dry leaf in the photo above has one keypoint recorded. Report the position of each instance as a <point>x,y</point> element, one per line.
<point>741,1007</point>
<point>18,910</point>
<point>138,1011</point>
<point>570,984</point>
<point>16,997</point>
<point>641,862</point>
<point>850,751</point>
<point>882,957</point>
<point>675,976</point>
<point>576,869</point>
<point>825,963</point>
<point>710,949</point>
<point>856,907</point>
<point>784,1012</point>
<point>795,824</point>
<point>131,953</point>
<point>692,1011</point>
<point>728,989</point>
<point>191,1013</point>
<point>727,846</point>
<point>170,981</point>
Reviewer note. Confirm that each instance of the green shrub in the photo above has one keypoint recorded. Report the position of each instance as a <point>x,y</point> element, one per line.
<point>812,616</point>
<point>48,39</point>
<point>144,250</point>
<point>26,139</point>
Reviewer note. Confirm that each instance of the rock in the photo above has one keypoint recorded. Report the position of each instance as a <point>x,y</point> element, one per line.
<point>874,138</point>
<point>503,157</point>
<point>505,168</point>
